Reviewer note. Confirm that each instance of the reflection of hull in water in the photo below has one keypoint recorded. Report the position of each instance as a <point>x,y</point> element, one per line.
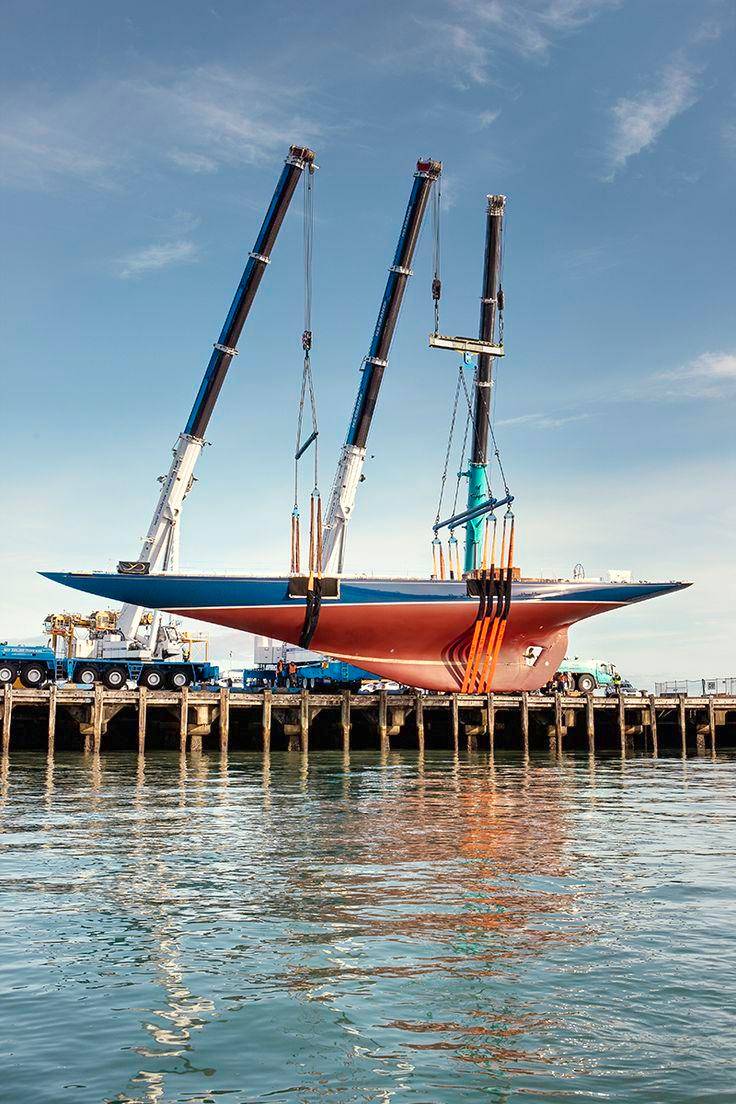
<point>416,631</point>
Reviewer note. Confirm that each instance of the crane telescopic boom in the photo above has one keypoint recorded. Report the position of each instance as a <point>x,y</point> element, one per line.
<point>160,546</point>
<point>478,489</point>
<point>352,457</point>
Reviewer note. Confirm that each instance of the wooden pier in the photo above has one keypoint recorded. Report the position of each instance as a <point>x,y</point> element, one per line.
<point>99,720</point>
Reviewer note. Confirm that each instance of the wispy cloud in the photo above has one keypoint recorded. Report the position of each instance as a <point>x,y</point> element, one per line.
<point>638,121</point>
<point>38,151</point>
<point>587,260</point>
<point>542,421</point>
<point>197,120</point>
<point>157,256</point>
<point>708,376</point>
<point>728,133</point>
<point>474,31</point>
<point>530,27</point>
<point>192,162</point>
<point>487,118</point>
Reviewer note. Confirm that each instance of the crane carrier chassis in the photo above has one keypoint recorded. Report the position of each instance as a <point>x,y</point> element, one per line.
<point>36,666</point>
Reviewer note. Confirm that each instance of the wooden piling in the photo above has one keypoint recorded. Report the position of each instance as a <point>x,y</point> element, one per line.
<point>653,725</point>
<point>455,725</point>
<point>590,723</point>
<point>266,716</point>
<point>345,721</point>
<point>491,723</point>
<point>558,724</point>
<point>621,705</point>
<point>142,718</point>
<point>683,727</point>
<point>383,719</point>
<point>183,719</point>
<point>419,707</point>
<point>7,716</point>
<point>525,721</point>
<point>98,710</point>
<point>304,721</point>
<point>52,720</point>
<point>223,719</point>
<point>712,726</point>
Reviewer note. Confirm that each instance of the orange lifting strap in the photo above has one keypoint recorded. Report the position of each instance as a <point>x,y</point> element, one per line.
<point>494,651</point>
<point>493,611</point>
<point>485,608</point>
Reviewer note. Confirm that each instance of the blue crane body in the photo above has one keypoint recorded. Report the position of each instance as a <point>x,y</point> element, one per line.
<point>37,665</point>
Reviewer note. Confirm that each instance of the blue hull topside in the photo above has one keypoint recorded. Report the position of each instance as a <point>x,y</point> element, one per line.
<point>172,592</point>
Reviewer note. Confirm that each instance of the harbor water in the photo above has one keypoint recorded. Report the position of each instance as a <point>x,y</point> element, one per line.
<point>397,928</point>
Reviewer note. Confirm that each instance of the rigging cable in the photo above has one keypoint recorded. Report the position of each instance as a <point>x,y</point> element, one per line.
<point>307,384</point>
<point>436,279</point>
<point>313,594</point>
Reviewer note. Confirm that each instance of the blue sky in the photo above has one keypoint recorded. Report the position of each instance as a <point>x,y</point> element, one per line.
<point>139,145</point>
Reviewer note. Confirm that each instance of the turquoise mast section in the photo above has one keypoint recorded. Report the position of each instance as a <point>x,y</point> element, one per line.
<point>477,475</point>
<point>491,299</point>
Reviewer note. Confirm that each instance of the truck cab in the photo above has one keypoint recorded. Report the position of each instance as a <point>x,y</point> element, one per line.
<point>589,674</point>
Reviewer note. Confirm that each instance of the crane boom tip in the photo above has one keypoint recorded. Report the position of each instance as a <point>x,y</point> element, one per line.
<point>427,167</point>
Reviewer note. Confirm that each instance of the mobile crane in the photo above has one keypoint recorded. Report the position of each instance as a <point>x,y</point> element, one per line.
<point>133,643</point>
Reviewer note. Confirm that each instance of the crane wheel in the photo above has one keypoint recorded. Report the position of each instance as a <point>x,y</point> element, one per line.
<point>33,675</point>
<point>151,679</point>
<point>87,676</point>
<point>179,679</point>
<point>7,674</point>
<point>115,678</point>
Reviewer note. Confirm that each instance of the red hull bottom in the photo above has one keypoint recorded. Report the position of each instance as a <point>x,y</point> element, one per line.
<point>429,641</point>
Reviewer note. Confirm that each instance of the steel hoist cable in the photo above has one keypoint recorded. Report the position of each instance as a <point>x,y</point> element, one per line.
<point>436,254</point>
<point>437,557</point>
<point>304,442</point>
<point>307,383</point>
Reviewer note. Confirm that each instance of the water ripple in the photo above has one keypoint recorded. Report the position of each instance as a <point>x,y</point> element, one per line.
<point>366,929</point>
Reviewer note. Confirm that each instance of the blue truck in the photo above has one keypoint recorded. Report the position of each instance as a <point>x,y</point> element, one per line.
<point>38,665</point>
<point>333,672</point>
<point>322,675</point>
